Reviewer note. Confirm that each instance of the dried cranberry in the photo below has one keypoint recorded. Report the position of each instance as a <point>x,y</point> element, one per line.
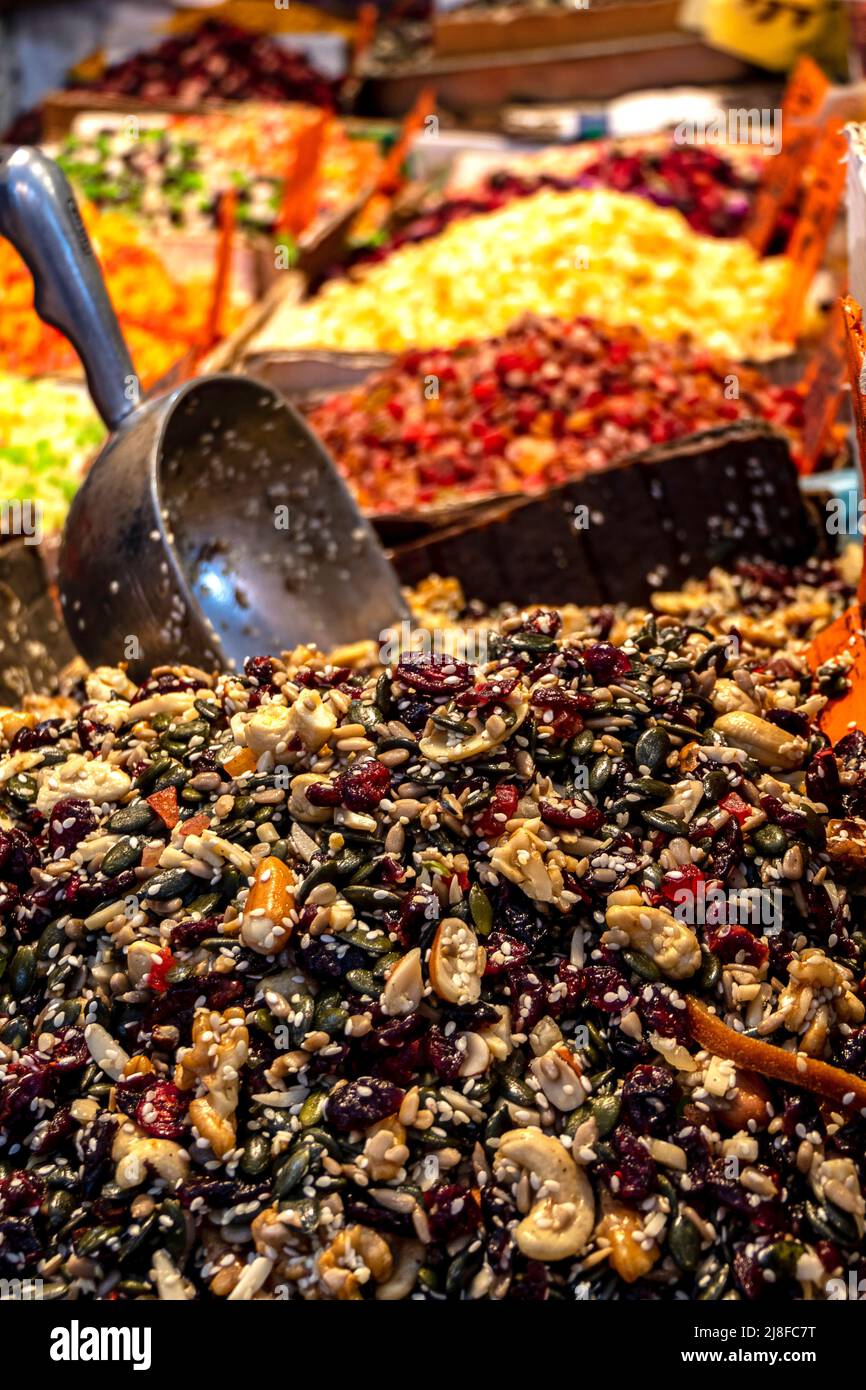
<point>434,675</point>
<point>852,1051</point>
<point>658,1012</point>
<point>451,1211</point>
<point>852,750</point>
<point>163,685</point>
<point>606,663</point>
<point>129,1090</point>
<point>52,1132</point>
<point>190,934</point>
<point>40,736</point>
<point>419,914</point>
<point>734,943</point>
<point>18,855</point>
<point>221,1192</point>
<point>71,819</point>
<point>504,953</point>
<point>790,721</point>
<point>70,1051</point>
<point>18,1091</point>
<point>606,988</point>
<point>570,815</point>
<point>490,824</point>
<point>365,784</point>
<point>19,1242</point>
<point>566,990</point>
<point>649,1096</point>
<point>635,1171</point>
<point>325,793</point>
<point>822,778</point>
<point>96,1144</point>
<point>489,692</point>
<point>562,710</point>
<point>363,1102</point>
<point>90,733</point>
<point>727,850</point>
<point>161,1110</point>
<point>528,999</point>
<point>20,1193</point>
<point>443,1055</point>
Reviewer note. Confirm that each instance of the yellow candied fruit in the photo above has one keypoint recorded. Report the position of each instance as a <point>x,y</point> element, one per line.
<point>605,255</point>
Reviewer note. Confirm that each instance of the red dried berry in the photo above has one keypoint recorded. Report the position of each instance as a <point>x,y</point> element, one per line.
<point>570,815</point>
<point>365,784</point>
<point>161,1110</point>
<point>434,675</point>
<point>490,824</point>
<point>605,662</point>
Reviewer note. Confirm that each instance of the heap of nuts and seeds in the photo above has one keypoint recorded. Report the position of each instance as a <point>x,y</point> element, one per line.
<point>329,980</point>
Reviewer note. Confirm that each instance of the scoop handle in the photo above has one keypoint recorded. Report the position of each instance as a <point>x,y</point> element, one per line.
<point>39,215</point>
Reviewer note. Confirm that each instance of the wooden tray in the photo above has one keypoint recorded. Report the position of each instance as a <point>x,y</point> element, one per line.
<point>530,26</point>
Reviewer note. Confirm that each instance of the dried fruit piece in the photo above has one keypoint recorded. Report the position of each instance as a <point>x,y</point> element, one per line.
<point>266,924</point>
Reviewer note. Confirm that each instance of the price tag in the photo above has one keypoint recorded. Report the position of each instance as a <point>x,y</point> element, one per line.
<point>823,387</point>
<point>855,348</point>
<point>300,193</point>
<point>227,218</point>
<point>824,182</point>
<point>781,175</point>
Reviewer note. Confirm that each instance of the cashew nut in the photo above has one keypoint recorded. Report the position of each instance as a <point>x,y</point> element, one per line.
<point>560,1222</point>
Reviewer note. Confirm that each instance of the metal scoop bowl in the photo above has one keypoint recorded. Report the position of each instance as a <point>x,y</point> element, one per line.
<point>212,525</point>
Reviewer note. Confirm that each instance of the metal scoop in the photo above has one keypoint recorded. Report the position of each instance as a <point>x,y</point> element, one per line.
<point>212,525</point>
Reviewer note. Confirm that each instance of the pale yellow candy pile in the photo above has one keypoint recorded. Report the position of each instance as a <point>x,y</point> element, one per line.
<point>606,255</point>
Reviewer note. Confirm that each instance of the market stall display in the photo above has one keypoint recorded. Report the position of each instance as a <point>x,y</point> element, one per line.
<point>216,62</point>
<point>48,432</point>
<point>432,819</point>
<point>545,402</point>
<point>712,188</point>
<point>604,255</point>
<point>438,941</point>
<point>170,175</point>
<point>161,318</point>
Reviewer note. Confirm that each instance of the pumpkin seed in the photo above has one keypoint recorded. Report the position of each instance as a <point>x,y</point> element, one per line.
<point>312,1111</point>
<point>660,820</point>
<point>684,1242</point>
<point>53,935</point>
<point>22,787</point>
<point>605,1111</point>
<point>712,1287</point>
<point>599,773</point>
<point>770,841</point>
<point>256,1156</point>
<point>126,854</point>
<point>652,749</point>
<point>641,965</point>
<point>481,910</point>
<point>372,899</point>
<point>293,1170</point>
<point>171,883</point>
<point>362,982</point>
<point>22,971</point>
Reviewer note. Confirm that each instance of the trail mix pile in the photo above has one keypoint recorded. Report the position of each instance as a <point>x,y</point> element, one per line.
<point>333,981</point>
<point>544,403</point>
